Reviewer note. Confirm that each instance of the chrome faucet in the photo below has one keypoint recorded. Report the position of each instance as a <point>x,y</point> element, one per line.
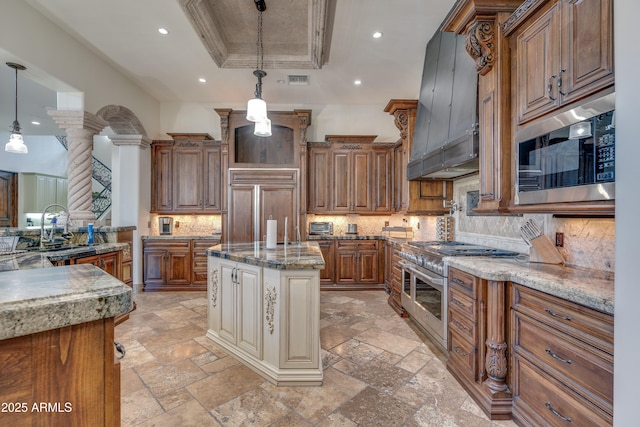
<point>43,235</point>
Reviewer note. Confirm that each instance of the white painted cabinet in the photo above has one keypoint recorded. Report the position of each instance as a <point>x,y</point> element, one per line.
<point>268,319</point>
<point>39,191</point>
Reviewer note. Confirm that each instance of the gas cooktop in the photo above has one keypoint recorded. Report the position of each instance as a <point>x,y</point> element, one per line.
<point>460,249</point>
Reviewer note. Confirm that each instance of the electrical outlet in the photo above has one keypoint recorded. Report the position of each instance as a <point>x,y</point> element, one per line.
<point>560,240</point>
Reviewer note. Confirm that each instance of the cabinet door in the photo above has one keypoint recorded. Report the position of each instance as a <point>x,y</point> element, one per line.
<point>187,179</point>
<point>341,173</point>
<point>328,249</point>
<point>8,200</point>
<point>241,207</point>
<point>382,181</point>
<point>400,183</point>
<point>361,182</point>
<point>367,262</point>
<point>162,180</point>
<point>226,302</point>
<point>107,262</point>
<point>154,267</point>
<point>249,312</point>
<point>212,179</point>
<point>587,50</point>
<point>319,184</point>
<point>199,260</point>
<point>346,266</point>
<point>61,191</point>
<point>279,202</point>
<point>537,66</point>
<point>178,267</point>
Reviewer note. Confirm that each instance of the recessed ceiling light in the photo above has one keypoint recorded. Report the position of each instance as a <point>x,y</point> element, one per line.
<point>202,80</point>
<point>35,123</point>
<point>357,82</point>
<point>163,31</point>
<point>280,82</point>
<point>377,34</point>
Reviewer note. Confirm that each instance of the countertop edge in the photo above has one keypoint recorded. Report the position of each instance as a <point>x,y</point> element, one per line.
<point>306,256</point>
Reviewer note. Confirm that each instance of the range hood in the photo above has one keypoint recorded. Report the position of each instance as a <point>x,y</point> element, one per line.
<point>445,142</point>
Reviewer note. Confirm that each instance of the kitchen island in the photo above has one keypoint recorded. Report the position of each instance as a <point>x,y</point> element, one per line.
<point>57,346</point>
<point>264,308</point>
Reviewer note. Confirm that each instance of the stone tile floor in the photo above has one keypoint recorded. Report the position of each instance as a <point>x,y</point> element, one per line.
<point>379,370</point>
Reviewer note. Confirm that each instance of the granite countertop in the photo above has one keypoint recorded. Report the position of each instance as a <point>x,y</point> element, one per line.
<point>297,256</point>
<point>42,259</point>
<point>345,237</point>
<point>35,231</point>
<point>174,237</point>
<point>33,301</point>
<point>591,288</point>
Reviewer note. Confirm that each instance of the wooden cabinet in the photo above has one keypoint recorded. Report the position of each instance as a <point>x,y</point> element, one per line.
<point>108,262</point>
<point>562,361</point>
<point>186,175</point>
<point>199,260</point>
<point>71,370</point>
<point>39,191</point>
<point>8,199</point>
<point>428,196</point>
<point>126,268</point>
<point>349,174</point>
<point>167,265</point>
<point>393,276</point>
<point>359,264</point>
<point>476,340</point>
<point>563,53</point>
<point>268,319</point>
<point>328,249</point>
<point>175,264</point>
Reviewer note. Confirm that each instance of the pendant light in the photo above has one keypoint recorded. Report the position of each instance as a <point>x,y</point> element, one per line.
<point>257,107</point>
<point>16,143</point>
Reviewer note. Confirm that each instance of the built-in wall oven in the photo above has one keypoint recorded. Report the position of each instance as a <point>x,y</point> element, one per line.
<point>424,282</point>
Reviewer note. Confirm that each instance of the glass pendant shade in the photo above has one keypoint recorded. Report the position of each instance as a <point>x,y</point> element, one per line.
<point>263,128</point>
<point>16,145</point>
<point>580,130</point>
<point>256,110</point>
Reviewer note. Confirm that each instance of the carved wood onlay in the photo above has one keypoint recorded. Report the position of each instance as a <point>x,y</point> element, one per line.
<point>270,298</point>
<point>224,123</point>
<point>351,147</point>
<point>520,14</point>
<point>496,365</point>
<point>401,120</point>
<point>214,288</point>
<point>188,144</point>
<point>480,44</point>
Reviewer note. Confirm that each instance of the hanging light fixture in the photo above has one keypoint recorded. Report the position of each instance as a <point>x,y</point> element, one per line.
<point>16,143</point>
<point>257,107</point>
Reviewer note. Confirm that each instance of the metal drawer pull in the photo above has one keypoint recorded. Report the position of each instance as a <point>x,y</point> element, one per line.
<point>460,352</point>
<point>120,349</point>
<point>458,281</point>
<point>556,413</point>
<point>559,316</point>
<point>461,326</point>
<point>555,356</point>
<point>458,303</point>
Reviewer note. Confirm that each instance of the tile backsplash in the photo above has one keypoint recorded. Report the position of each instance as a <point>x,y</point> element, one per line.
<point>190,225</point>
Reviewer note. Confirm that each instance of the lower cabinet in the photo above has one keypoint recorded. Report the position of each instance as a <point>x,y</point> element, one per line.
<point>62,377</point>
<point>358,264</point>
<point>562,361</point>
<point>267,319</point>
<point>328,249</point>
<point>393,277</point>
<point>175,264</point>
<point>108,262</point>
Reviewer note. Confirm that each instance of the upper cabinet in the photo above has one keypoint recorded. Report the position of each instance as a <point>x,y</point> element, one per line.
<point>356,172</point>
<point>563,53</point>
<point>40,191</point>
<point>186,175</point>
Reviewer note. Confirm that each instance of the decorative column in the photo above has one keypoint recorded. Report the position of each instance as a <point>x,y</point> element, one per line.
<point>80,127</point>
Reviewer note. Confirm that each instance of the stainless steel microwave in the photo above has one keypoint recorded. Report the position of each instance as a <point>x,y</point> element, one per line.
<point>316,228</point>
<point>569,157</point>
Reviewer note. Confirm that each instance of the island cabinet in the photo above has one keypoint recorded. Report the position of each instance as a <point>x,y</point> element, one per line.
<point>267,318</point>
<point>563,53</point>
<point>186,175</point>
<point>393,276</point>
<point>359,264</point>
<point>109,262</point>
<point>562,361</point>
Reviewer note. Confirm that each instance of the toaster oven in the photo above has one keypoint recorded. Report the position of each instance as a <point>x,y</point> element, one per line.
<point>316,228</point>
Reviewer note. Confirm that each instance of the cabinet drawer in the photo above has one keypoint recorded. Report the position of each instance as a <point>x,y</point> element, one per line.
<point>462,303</point>
<point>577,364</point>
<point>541,400</point>
<point>168,244</point>
<point>585,324</point>
<point>462,354</point>
<point>358,245</point>
<point>462,325</point>
<point>464,281</point>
